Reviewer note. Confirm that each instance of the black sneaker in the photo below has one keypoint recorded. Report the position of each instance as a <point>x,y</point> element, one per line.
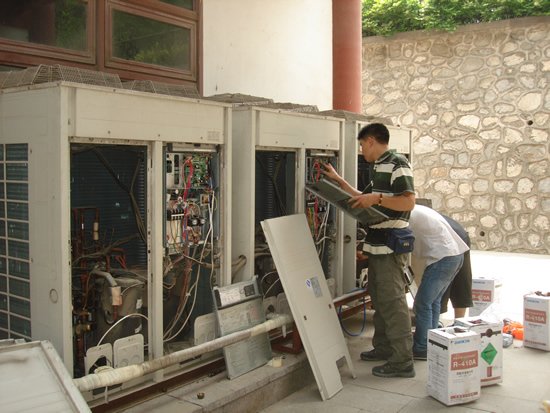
<point>387,370</point>
<point>421,355</point>
<point>373,355</point>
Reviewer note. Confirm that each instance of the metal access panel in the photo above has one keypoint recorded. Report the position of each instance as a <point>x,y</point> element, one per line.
<point>302,276</point>
<point>239,306</point>
<point>33,378</point>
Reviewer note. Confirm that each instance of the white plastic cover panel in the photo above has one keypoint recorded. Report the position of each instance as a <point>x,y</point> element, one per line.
<point>33,379</point>
<point>302,277</point>
<point>239,306</point>
<point>104,114</point>
<point>286,130</point>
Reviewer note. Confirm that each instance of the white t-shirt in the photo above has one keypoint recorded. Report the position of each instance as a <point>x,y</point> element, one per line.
<point>434,237</point>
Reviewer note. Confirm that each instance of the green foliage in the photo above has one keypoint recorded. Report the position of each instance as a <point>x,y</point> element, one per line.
<point>386,17</point>
<point>150,41</point>
<point>70,24</point>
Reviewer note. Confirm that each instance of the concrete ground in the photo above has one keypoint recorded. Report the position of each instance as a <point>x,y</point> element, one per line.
<point>526,377</point>
<point>526,383</point>
<point>292,388</point>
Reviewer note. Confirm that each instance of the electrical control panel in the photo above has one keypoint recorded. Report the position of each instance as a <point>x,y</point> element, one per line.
<point>190,198</point>
<point>321,215</point>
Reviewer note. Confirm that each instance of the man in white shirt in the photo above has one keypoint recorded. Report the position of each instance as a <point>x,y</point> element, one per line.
<point>442,251</point>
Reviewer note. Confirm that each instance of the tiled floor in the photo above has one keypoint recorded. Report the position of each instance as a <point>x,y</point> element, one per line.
<point>526,375</point>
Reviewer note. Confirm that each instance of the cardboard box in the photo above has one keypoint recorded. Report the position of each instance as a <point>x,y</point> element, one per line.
<point>485,292</point>
<point>536,331</point>
<point>453,365</point>
<point>490,349</point>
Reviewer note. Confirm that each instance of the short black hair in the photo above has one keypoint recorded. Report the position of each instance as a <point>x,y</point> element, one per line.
<point>378,131</point>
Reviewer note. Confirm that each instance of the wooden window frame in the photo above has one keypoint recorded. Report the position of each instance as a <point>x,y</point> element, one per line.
<point>98,55</point>
<point>165,13</point>
<point>15,52</point>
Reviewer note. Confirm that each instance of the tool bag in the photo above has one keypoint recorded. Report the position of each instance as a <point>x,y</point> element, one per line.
<point>400,240</point>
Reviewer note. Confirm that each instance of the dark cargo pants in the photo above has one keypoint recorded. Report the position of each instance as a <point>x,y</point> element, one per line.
<point>392,321</point>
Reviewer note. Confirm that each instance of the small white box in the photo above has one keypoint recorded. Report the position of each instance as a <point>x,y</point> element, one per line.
<point>490,349</point>
<point>485,292</point>
<point>536,332</point>
<point>453,365</point>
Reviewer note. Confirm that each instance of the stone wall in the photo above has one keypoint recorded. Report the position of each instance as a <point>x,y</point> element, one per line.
<point>478,102</point>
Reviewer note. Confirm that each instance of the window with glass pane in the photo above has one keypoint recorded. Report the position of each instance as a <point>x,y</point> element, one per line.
<point>186,4</point>
<point>59,23</point>
<point>150,41</point>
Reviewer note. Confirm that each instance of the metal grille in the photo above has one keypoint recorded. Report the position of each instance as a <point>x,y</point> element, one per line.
<point>293,107</point>
<point>238,99</point>
<point>15,304</point>
<point>163,88</point>
<point>352,116</point>
<point>45,73</point>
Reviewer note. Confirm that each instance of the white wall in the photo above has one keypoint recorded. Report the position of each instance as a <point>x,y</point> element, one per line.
<point>279,49</point>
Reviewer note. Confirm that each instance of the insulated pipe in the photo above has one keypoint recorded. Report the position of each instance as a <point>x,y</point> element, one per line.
<point>110,279</point>
<point>238,265</point>
<point>124,374</point>
<point>347,55</point>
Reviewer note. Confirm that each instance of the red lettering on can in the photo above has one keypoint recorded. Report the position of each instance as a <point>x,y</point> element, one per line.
<point>463,361</point>
<point>482,295</point>
<point>535,316</point>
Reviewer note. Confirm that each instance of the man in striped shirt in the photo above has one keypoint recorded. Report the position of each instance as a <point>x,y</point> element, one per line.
<point>391,191</point>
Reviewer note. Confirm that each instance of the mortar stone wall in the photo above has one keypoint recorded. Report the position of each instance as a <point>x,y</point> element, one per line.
<point>478,103</point>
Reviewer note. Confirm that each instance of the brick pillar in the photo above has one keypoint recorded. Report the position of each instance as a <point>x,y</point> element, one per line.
<point>346,55</point>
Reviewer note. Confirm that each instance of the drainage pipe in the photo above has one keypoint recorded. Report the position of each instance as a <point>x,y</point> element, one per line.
<point>121,375</point>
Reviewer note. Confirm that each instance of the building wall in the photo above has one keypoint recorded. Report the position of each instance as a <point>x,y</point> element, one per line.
<point>478,102</point>
<point>276,49</point>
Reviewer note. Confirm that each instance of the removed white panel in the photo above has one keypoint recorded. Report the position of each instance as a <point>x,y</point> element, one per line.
<point>33,379</point>
<point>238,307</point>
<point>303,280</point>
<point>205,328</point>
<point>102,355</point>
<point>128,351</point>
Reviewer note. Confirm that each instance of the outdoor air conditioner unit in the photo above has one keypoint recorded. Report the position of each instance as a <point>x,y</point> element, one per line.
<point>115,213</point>
<point>275,154</point>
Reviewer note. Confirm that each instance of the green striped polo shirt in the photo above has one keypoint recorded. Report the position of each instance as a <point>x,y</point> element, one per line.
<point>392,176</point>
